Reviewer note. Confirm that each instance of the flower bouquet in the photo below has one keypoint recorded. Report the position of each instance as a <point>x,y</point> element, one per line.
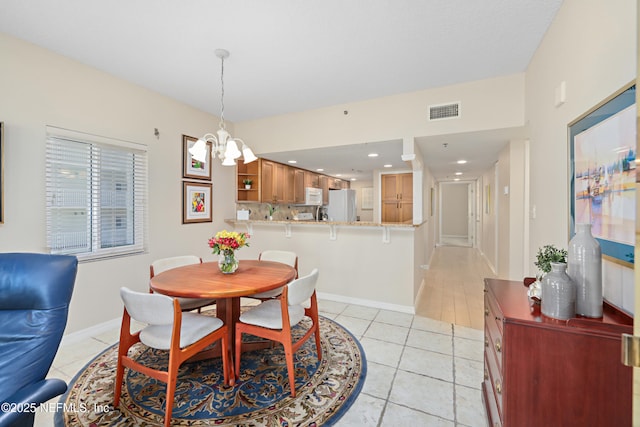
<point>224,244</point>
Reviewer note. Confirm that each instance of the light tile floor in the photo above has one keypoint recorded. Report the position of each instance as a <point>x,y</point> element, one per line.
<point>422,371</point>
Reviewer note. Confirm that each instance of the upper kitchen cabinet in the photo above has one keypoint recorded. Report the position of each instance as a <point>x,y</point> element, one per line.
<point>311,179</point>
<point>298,185</point>
<point>397,197</point>
<point>289,185</point>
<point>324,184</point>
<point>273,182</point>
<point>245,173</point>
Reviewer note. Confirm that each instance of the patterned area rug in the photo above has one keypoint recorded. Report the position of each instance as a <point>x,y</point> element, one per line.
<point>260,397</point>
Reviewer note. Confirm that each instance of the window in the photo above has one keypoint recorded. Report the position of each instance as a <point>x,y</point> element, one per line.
<point>96,195</point>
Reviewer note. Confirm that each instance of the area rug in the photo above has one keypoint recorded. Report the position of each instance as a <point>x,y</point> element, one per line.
<point>324,390</point>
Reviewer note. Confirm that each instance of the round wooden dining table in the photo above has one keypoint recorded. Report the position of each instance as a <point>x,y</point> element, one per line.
<point>205,280</point>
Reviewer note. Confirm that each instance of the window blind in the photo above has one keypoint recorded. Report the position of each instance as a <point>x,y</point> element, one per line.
<point>96,197</point>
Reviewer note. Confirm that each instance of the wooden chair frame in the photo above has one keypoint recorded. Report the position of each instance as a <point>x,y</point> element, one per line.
<point>177,356</point>
<point>283,335</point>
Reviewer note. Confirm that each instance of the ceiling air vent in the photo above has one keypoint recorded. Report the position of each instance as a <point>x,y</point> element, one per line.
<point>444,111</point>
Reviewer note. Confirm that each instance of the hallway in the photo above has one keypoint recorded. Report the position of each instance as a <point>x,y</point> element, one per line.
<point>453,290</point>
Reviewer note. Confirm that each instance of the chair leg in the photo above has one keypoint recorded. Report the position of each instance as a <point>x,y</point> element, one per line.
<point>118,386</point>
<point>238,352</point>
<point>171,390</point>
<point>288,353</point>
<point>126,341</point>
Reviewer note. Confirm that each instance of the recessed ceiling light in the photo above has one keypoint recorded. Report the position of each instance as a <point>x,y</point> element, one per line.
<point>462,162</point>
<point>456,179</point>
<point>338,174</point>
<point>373,154</point>
<point>320,170</point>
<point>388,166</point>
<point>292,161</point>
<point>458,173</point>
<point>353,179</point>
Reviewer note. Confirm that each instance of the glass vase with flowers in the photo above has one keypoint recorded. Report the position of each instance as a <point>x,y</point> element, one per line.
<point>224,244</point>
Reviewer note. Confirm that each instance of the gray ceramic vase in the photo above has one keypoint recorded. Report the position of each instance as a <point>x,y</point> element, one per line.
<point>584,266</point>
<point>558,293</point>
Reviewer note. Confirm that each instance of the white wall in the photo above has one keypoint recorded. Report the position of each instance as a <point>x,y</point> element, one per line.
<point>356,267</point>
<point>488,218</point>
<point>509,195</point>
<point>487,104</point>
<point>591,45</point>
<point>39,88</point>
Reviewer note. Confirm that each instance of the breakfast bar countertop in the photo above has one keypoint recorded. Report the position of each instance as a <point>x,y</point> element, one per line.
<point>330,223</point>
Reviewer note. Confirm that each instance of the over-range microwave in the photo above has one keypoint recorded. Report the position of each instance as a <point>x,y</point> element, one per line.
<point>313,196</point>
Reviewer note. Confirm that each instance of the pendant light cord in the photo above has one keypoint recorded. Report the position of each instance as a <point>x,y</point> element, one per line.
<point>222,95</point>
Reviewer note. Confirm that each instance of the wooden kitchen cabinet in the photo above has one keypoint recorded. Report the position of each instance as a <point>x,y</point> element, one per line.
<point>311,179</point>
<point>273,182</point>
<point>324,185</point>
<point>397,197</point>
<point>540,371</point>
<point>289,185</point>
<point>298,185</point>
<point>248,171</point>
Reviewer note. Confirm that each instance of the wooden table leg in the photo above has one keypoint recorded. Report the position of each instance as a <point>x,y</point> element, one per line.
<point>228,310</point>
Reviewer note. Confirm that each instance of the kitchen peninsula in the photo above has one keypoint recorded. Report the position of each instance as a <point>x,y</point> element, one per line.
<point>367,263</point>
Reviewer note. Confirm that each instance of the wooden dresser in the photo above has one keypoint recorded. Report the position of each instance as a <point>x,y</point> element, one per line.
<point>545,372</point>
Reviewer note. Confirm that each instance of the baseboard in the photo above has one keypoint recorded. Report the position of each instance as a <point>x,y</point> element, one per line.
<point>92,331</point>
<point>367,303</point>
<point>493,270</point>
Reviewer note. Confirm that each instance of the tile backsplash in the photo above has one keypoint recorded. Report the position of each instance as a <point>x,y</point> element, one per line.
<point>258,211</point>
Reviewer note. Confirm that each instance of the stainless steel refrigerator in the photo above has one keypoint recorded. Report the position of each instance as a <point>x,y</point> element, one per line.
<point>342,205</point>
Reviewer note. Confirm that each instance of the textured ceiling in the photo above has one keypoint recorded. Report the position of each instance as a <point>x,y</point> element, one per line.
<point>287,55</point>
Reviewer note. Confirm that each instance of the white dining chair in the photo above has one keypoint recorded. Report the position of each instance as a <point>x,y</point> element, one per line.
<point>164,264</point>
<point>285,257</point>
<point>274,318</point>
<point>168,328</point>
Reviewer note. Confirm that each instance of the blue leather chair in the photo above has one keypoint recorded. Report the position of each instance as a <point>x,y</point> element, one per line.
<point>35,291</point>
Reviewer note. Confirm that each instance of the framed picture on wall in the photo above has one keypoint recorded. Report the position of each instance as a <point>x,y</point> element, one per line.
<point>1,173</point>
<point>602,174</point>
<point>192,168</point>
<point>196,201</point>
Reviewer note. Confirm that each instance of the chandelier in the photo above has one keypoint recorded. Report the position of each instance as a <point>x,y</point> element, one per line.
<point>223,145</point>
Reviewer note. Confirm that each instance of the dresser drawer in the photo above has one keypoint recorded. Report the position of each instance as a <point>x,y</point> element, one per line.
<point>493,345</point>
<point>494,380</point>
<point>492,314</point>
<point>490,403</point>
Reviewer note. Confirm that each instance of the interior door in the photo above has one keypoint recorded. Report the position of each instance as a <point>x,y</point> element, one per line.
<point>471,212</point>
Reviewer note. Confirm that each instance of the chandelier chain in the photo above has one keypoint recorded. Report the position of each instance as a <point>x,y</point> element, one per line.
<point>222,95</point>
